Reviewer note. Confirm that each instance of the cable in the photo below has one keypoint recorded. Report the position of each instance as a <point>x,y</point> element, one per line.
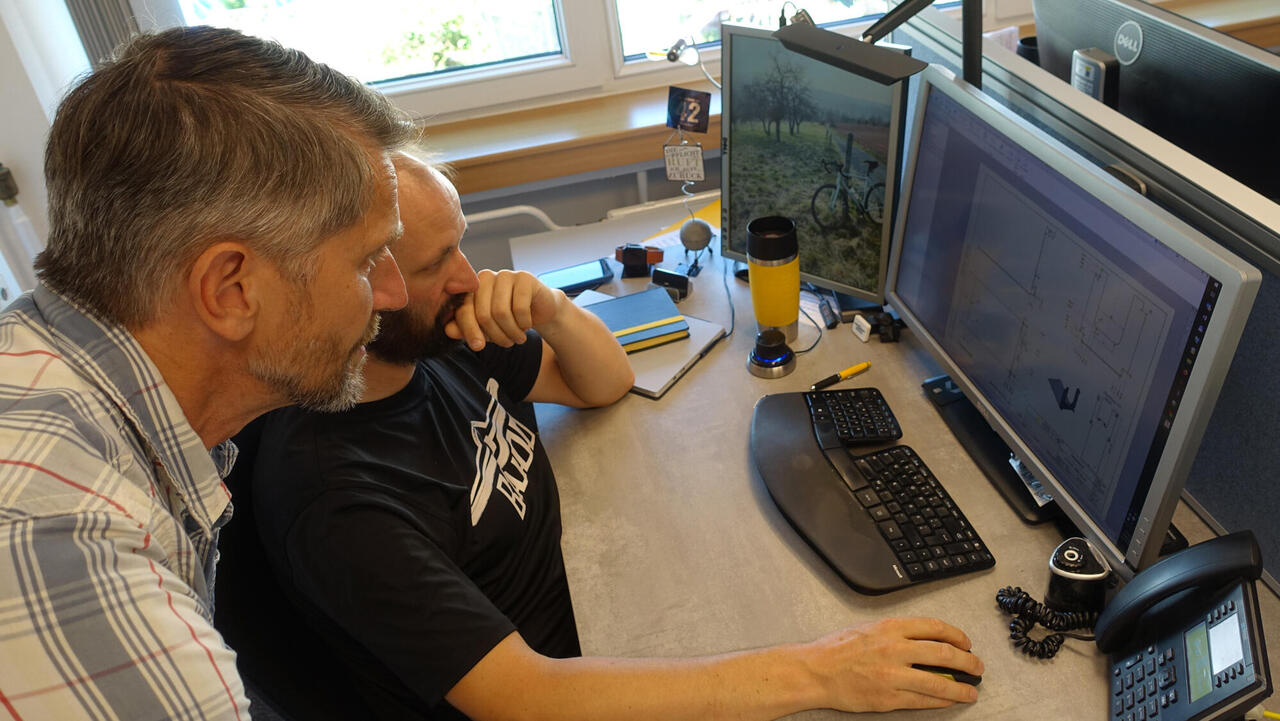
<point>724,276</point>
<point>1028,612</point>
<point>825,309</point>
<point>693,268</point>
<point>698,54</point>
<point>816,326</point>
<point>782,14</point>
<point>801,15</point>
<point>673,53</point>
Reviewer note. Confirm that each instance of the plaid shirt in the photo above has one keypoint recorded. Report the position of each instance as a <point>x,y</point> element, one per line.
<point>110,507</point>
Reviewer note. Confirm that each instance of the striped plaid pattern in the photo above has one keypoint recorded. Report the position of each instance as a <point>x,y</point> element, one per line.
<point>109,514</point>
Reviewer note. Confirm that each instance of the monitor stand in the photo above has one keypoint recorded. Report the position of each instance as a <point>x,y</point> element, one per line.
<point>986,448</point>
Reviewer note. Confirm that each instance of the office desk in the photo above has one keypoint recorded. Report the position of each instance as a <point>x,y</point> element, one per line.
<point>673,546</point>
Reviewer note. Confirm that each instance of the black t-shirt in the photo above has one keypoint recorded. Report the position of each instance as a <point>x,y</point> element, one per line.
<point>418,531</point>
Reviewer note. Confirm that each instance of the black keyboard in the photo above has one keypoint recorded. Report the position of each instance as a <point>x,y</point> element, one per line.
<point>916,516</point>
<point>859,416</point>
<point>877,515</point>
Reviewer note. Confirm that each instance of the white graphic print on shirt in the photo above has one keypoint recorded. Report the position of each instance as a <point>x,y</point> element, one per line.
<point>504,452</point>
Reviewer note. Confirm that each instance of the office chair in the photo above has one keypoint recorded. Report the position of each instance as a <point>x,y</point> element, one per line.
<point>285,667</point>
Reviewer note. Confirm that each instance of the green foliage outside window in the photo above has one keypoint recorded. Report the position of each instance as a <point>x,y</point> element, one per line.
<point>448,38</point>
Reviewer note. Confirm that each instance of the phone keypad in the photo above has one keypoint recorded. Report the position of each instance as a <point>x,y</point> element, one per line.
<point>1143,684</point>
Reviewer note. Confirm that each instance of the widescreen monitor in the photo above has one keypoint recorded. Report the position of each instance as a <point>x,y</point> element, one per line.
<point>1230,466</point>
<point>813,143</point>
<point>1090,327</point>
<point>1205,91</point>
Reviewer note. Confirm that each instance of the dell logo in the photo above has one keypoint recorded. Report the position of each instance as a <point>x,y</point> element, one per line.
<point>1128,42</point>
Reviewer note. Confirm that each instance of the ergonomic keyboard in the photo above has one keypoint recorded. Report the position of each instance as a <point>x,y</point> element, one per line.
<point>858,416</point>
<point>876,514</point>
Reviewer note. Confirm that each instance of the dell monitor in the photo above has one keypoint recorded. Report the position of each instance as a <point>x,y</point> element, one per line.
<point>1213,95</point>
<point>1229,465</point>
<point>1089,327</point>
<point>808,141</point>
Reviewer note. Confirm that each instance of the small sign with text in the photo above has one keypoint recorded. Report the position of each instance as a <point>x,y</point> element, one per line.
<point>684,162</point>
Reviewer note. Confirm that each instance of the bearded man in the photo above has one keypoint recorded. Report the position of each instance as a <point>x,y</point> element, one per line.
<point>419,532</point>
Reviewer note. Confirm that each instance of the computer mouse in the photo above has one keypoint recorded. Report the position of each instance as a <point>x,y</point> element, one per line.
<point>950,673</point>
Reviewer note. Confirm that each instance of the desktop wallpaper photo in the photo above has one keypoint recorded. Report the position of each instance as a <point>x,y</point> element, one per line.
<point>809,142</point>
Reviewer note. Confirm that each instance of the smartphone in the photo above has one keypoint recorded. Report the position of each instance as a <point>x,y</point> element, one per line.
<point>577,278</point>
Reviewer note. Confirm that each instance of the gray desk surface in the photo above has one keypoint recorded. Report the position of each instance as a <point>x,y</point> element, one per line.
<point>673,546</point>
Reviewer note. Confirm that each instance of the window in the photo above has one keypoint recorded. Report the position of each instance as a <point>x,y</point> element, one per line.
<point>382,40</point>
<point>445,61</point>
<point>432,59</point>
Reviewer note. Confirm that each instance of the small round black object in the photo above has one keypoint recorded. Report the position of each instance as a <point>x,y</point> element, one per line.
<point>771,357</point>
<point>1028,48</point>
<point>771,348</point>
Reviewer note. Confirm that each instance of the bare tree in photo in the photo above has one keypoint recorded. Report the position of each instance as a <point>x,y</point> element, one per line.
<point>784,93</point>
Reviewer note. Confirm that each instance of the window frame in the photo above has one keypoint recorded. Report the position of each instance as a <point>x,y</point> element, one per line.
<point>591,64</point>
<point>578,67</point>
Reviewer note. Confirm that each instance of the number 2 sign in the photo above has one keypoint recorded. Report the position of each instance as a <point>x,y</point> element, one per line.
<point>688,109</point>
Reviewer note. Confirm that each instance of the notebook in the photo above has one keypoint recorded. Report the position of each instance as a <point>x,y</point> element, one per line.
<point>657,369</point>
<point>642,320</point>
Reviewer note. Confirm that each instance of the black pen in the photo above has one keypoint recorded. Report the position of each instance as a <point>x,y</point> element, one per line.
<point>845,374</point>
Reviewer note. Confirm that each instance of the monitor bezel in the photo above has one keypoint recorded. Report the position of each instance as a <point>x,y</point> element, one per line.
<point>893,171</point>
<point>1198,38</point>
<point>1246,51</point>
<point>1216,204</point>
<point>1240,283</point>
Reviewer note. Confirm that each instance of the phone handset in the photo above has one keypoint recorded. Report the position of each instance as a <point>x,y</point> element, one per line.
<point>1208,564</point>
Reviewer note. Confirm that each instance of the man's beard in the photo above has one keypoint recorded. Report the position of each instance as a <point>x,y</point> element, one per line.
<point>316,373</point>
<point>408,338</point>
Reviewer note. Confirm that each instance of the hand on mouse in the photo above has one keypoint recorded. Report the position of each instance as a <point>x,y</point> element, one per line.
<point>868,667</point>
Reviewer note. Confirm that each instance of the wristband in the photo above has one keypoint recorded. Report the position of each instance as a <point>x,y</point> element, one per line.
<point>636,254</point>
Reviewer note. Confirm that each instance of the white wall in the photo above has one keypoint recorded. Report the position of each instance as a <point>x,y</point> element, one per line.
<point>40,56</point>
<point>22,139</point>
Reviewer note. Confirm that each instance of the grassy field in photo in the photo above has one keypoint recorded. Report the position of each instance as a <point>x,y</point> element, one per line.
<point>778,177</point>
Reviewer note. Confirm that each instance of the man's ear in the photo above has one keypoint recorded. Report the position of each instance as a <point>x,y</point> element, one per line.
<point>225,285</point>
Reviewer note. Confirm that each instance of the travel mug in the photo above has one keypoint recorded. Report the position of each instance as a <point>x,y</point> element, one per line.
<point>773,271</point>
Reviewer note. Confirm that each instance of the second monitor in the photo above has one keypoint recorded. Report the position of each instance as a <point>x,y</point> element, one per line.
<point>1090,328</point>
<point>813,143</point>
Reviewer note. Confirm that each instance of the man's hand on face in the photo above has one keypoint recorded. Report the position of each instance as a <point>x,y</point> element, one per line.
<point>505,305</point>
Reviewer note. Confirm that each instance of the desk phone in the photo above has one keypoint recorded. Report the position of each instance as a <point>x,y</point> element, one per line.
<point>1184,637</point>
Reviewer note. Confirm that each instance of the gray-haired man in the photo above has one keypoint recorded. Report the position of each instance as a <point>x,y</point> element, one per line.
<point>220,212</point>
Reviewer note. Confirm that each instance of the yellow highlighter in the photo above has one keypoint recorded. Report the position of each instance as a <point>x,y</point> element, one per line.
<point>845,374</point>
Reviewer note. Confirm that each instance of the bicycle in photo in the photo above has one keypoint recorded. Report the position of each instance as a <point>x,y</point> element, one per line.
<point>834,204</point>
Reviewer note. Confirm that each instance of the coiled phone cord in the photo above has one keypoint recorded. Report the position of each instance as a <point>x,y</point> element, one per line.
<point>1027,612</point>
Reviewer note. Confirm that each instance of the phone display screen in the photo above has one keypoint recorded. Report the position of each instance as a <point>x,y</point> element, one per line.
<point>1210,651</point>
<point>1224,644</point>
<point>1199,678</point>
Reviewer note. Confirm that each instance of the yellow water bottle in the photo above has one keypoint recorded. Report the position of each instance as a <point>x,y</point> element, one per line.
<point>773,271</point>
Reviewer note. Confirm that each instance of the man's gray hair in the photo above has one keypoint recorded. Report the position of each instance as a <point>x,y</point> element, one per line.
<point>195,135</point>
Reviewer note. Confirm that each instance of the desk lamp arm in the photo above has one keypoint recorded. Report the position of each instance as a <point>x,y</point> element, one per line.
<point>971,32</point>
